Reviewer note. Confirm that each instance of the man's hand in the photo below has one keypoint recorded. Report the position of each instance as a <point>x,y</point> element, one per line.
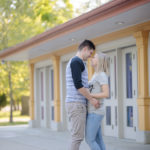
<point>95,103</point>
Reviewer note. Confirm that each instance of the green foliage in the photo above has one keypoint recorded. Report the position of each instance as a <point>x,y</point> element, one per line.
<point>16,19</point>
<point>53,12</point>
<point>17,117</point>
<point>21,20</point>
<point>3,100</point>
<point>20,79</point>
<point>13,123</point>
<point>4,115</point>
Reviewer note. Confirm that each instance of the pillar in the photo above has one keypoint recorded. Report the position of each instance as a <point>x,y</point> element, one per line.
<point>32,91</point>
<point>143,100</point>
<point>56,67</point>
<point>90,68</point>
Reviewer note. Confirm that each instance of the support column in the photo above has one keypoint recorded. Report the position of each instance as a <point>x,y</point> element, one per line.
<point>56,67</point>
<point>143,100</point>
<point>90,69</point>
<point>31,104</point>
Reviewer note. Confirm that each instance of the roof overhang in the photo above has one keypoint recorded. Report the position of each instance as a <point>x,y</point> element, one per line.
<point>111,17</point>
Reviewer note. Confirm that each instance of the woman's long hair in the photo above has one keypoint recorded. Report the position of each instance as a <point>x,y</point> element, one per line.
<point>103,65</point>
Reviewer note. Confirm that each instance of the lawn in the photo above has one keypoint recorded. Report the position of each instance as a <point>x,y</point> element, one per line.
<point>17,118</point>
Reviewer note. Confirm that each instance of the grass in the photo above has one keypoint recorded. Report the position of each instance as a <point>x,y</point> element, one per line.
<point>13,123</point>
<point>16,114</point>
<point>17,118</point>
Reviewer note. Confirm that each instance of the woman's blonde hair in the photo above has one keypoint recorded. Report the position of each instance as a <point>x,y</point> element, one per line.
<point>103,64</point>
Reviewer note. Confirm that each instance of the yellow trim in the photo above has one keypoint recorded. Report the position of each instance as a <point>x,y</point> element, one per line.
<point>32,91</point>
<point>90,68</point>
<point>122,33</point>
<point>56,53</point>
<point>144,113</point>
<point>56,66</point>
<point>143,99</point>
<point>142,50</point>
<point>99,40</point>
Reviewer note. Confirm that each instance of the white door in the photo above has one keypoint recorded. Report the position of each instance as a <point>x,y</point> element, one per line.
<point>51,95</point>
<point>111,103</point>
<point>129,92</point>
<point>65,120</point>
<point>42,97</point>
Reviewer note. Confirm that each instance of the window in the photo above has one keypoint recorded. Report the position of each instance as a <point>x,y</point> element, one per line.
<point>42,112</point>
<point>115,76</point>
<point>129,75</point>
<point>42,92</point>
<point>52,84</point>
<point>108,115</point>
<point>52,112</point>
<point>109,83</point>
<point>129,116</point>
<point>116,115</point>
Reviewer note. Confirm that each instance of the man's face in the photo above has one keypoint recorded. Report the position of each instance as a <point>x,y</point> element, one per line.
<point>87,53</point>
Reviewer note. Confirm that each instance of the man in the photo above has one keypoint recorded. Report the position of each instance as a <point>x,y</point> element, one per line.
<point>77,92</point>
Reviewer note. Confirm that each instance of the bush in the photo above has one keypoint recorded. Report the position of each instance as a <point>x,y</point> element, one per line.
<point>3,100</point>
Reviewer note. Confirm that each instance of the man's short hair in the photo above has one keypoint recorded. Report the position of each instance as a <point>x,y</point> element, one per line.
<point>87,43</point>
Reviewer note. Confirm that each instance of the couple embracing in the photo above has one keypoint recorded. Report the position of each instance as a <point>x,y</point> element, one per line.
<point>84,100</point>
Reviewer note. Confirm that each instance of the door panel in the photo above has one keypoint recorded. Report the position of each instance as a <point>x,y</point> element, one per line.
<point>51,97</point>
<point>111,104</point>
<point>130,92</point>
<point>42,98</point>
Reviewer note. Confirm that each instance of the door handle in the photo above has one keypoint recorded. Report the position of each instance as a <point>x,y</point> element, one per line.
<point>134,92</point>
<point>111,93</point>
<point>134,128</point>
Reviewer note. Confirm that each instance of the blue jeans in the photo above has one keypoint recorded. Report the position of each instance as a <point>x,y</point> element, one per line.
<point>93,134</point>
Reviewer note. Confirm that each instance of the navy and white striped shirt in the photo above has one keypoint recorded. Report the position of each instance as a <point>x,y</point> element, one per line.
<point>76,78</point>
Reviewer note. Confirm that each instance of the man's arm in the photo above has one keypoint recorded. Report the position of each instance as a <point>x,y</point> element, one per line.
<point>92,100</point>
<point>76,69</point>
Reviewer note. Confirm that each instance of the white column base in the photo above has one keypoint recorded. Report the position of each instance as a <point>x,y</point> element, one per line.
<point>56,126</point>
<point>32,124</point>
<point>143,137</point>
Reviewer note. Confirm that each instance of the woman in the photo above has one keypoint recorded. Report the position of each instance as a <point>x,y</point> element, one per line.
<point>99,89</point>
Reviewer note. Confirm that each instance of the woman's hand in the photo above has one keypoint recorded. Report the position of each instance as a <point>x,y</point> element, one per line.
<point>95,103</point>
<point>103,94</point>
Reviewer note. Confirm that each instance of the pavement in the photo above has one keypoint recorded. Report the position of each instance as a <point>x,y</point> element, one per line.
<point>22,137</point>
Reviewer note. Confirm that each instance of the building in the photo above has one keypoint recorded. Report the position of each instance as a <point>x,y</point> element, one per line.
<point>119,28</point>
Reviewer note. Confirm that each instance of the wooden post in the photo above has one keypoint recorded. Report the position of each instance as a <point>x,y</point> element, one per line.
<point>143,99</point>
<point>56,67</point>
<point>32,91</point>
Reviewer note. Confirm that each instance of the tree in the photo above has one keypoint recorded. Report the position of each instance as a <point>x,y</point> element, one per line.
<point>21,20</point>
<point>54,12</point>
<point>3,100</point>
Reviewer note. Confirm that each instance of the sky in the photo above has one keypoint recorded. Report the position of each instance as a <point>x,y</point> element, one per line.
<point>77,3</point>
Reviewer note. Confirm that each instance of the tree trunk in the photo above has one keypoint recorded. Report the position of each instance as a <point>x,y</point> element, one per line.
<point>10,93</point>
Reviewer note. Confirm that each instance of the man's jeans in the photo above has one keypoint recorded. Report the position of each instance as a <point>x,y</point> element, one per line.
<point>77,116</point>
<point>93,134</point>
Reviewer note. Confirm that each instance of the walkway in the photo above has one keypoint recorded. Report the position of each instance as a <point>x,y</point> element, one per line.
<point>24,138</point>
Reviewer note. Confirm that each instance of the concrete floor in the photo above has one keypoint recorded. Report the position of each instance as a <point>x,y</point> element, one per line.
<point>24,138</point>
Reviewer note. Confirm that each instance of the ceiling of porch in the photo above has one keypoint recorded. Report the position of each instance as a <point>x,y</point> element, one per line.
<point>121,21</point>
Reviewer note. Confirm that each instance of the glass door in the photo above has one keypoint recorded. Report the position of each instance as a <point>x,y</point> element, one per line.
<point>42,97</point>
<point>51,95</point>
<point>129,92</point>
<point>111,103</point>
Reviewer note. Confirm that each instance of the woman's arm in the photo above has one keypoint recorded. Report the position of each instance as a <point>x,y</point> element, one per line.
<point>103,94</point>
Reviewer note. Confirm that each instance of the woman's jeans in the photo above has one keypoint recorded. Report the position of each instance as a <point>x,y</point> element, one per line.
<point>93,133</point>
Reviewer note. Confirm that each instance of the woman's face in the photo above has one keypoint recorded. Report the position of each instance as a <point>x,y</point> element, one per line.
<point>94,60</point>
